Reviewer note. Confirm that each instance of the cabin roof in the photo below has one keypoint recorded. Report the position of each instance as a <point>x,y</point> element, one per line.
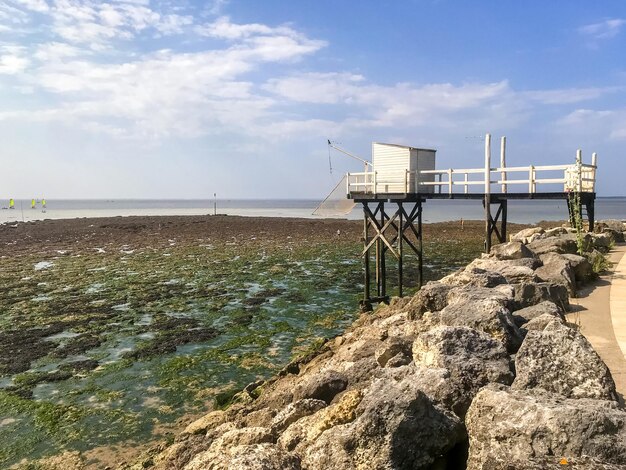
<point>405,146</point>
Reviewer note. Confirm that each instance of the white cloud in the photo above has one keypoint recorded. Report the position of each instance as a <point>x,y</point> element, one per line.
<point>12,60</point>
<point>604,29</point>
<point>569,95</point>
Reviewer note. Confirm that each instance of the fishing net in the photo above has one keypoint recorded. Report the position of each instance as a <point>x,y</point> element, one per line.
<point>336,203</point>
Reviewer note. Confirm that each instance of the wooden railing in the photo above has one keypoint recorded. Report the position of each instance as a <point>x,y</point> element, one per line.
<point>577,177</point>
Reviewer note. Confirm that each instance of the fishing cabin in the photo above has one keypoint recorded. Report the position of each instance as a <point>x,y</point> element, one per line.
<point>406,177</point>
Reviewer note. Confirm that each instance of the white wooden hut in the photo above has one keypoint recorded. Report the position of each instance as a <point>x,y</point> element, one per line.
<point>397,167</point>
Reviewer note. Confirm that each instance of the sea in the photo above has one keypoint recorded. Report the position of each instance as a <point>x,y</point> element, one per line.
<point>519,211</point>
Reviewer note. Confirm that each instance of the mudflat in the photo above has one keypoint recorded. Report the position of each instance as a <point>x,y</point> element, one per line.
<point>120,330</point>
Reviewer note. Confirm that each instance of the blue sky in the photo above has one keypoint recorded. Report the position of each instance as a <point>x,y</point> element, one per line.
<point>143,98</point>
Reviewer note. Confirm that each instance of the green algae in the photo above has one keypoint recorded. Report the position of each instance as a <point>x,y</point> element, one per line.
<point>125,339</point>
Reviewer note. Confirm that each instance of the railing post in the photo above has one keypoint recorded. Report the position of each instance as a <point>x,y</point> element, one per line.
<point>594,162</point>
<point>488,164</point>
<point>406,188</point>
<point>450,180</point>
<point>348,183</point>
<point>375,182</point>
<point>503,162</point>
<point>579,161</point>
<point>531,179</point>
<point>466,185</point>
<point>439,175</point>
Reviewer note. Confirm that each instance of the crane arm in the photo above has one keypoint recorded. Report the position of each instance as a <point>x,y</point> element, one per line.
<point>330,144</point>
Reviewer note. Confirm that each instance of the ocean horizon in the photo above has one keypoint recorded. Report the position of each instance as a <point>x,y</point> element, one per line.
<point>519,211</point>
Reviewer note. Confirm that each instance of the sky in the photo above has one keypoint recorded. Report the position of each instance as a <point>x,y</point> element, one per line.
<point>184,99</point>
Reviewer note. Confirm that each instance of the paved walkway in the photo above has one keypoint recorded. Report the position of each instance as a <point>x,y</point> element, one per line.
<point>600,310</point>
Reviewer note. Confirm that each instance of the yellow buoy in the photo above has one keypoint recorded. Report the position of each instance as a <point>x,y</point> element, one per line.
<point>11,203</point>
<point>32,204</point>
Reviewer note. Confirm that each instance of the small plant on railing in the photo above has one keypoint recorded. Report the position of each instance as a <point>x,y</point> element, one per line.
<point>577,221</point>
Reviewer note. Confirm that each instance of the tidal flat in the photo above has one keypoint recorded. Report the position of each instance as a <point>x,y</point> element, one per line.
<point>118,331</point>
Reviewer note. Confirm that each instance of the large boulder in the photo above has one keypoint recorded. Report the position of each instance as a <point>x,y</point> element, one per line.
<point>524,235</point>
<point>546,307</point>
<point>603,241</point>
<point>532,293</point>
<point>430,298</point>
<point>398,427</point>
<point>520,429</point>
<point>474,276</point>
<point>396,348</point>
<point>473,358</point>
<point>561,244</point>
<point>560,360</point>
<point>322,386</point>
<point>483,310</point>
<point>245,457</point>
<point>294,411</point>
<point>511,250</point>
<point>557,269</point>
<point>583,271</point>
<point>513,271</point>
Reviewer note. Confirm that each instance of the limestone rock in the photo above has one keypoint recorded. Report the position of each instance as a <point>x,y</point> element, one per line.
<point>473,358</point>
<point>322,386</point>
<point>294,411</point>
<point>430,298</point>
<point>544,308</point>
<point>208,421</point>
<point>557,270</point>
<point>583,271</point>
<point>511,250</point>
<point>391,348</point>
<point>398,426</point>
<point>522,235</point>
<point>303,432</point>
<point>483,313</point>
<point>560,360</point>
<point>603,241</point>
<point>245,457</point>
<point>561,244</point>
<point>474,276</point>
<point>531,293</point>
<point>512,270</point>
<point>511,429</point>
<point>539,323</point>
<point>553,232</point>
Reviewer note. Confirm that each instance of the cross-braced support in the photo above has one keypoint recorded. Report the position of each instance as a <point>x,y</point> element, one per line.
<point>577,205</point>
<point>382,233</point>
<point>492,221</point>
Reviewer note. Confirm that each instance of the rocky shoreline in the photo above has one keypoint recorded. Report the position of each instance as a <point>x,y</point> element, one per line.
<point>479,370</point>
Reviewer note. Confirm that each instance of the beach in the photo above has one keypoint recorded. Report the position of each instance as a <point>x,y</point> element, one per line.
<point>118,331</point>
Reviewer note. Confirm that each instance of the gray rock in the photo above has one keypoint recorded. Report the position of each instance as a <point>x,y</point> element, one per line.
<point>294,411</point>
<point>618,236</point>
<point>612,224</point>
<point>474,276</point>
<point>557,270</point>
<point>398,426</point>
<point>539,323</point>
<point>483,311</point>
<point>513,271</point>
<point>531,293</point>
<point>245,457</point>
<point>583,271</point>
<point>603,241</point>
<point>430,298</point>
<point>391,348</point>
<point>511,250</point>
<point>561,244</point>
<point>560,360</point>
<point>554,232</point>
<point>544,308</point>
<point>473,358</point>
<point>513,429</point>
<point>322,386</point>
<point>522,235</point>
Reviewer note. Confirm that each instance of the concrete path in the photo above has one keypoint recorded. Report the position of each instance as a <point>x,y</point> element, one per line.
<point>600,310</point>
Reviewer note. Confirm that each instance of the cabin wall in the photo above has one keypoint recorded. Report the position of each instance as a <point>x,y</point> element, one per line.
<point>390,163</point>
